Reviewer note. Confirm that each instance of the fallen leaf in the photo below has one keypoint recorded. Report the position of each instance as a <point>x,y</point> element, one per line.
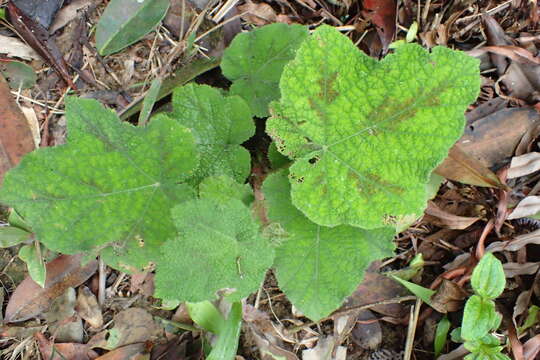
<point>129,352</point>
<point>16,137</point>
<point>515,244</point>
<point>382,13</point>
<point>258,13</point>
<point>13,47</point>
<point>31,117</point>
<point>444,219</point>
<point>325,350</point>
<point>374,288</point>
<point>88,308</point>
<point>131,326</point>
<point>461,166</point>
<point>527,207</point>
<point>29,299</point>
<point>531,348</point>
<point>512,52</point>
<point>493,139</point>
<point>449,297</point>
<point>512,269</point>
<point>267,335</point>
<point>63,351</point>
<point>367,334</point>
<point>40,11</point>
<point>18,74</point>
<point>524,165</point>
<point>70,12</point>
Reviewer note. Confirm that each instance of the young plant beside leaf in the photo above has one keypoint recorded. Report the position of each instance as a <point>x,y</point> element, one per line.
<point>362,136</point>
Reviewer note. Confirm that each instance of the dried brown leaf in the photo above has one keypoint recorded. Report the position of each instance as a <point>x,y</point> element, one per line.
<point>29,299</point>
<point>441,218</point>
<point>133,325</point>
<point>531,348</point>
<point>88,308</point>
<point>512,269</point>
<point>493,139</point>
<point>461,166</point>
<point>70,351</point>
<point>15,48</point>
<point>382,13</point>
<point>128,352</point>
<point>16,137</point>
<point>449,297</point>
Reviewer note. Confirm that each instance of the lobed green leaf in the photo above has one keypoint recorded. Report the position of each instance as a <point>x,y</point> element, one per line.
<point>109,189</point>
<point>218,247</point>
<point>254,62</point>
<point>366,135</point>
<point>220,124</point>
<point>317,266</point>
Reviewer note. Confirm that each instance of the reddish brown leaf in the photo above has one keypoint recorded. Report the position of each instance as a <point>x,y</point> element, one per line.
<point>460,166</point>
<point>129,352</point>
<point>531,348</point>
<point>382,14</point>
<point>38,38</point>
<point>63,351</point>
<point>15,135</point>
<point>30,299</point>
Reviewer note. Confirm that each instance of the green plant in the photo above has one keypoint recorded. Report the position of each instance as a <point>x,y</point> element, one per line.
<point>363,137</point>
<point>480,317</point>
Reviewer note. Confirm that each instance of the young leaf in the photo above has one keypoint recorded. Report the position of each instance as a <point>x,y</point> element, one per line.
<point>34,262</point>
<point>149,101</point>
<point>223,188</point>
<point>220,124</point>
<point>488,278</point>
<point>206,315</point>
<point>213,235</point>
<point>357,128</point>
<point>332,260</point>
<point>254,62</point>
<point>421,292</point>
<point>479,317</point>
<point>126,21</point>
<point>112,186</point>
<point>441,334</point>
<point>227,343</point>
<point>11,236</point>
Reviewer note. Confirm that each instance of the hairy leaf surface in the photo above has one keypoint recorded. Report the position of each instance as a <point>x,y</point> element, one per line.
<point>110,188</point>
<point>223,188</point>
<point>366,134</point>
<point>254,62</point>
<point>317,266</point>
<point>218,247</point>
<point>220,124</point>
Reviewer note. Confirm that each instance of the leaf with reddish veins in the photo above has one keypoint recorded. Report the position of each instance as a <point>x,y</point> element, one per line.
<point>29,299</point>
<point>382,14</point>
<point>15,135</point>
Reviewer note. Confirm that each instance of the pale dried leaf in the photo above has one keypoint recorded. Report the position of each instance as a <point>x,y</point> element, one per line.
<point>258,13</point>
<point>13,47</point>
<point>69,12</point>
<point>324,350</point>
<point>517,243</point>
<point>514,269</point>
<point>526,207</point>
<point>31,117</point>
<point>524,165</point>
<point>531,348</point>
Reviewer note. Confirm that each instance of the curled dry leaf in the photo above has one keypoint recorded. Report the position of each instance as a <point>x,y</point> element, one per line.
<point>444,219</point>
<point>29,299</point>
<point>382,14</point>
<point>531,348</point>
<point>526,207</point>
<point>88,308</point>
<point>524,165</point>
<point>367,334</point>
<point>258,13</point>
<point>449,297</point>
<point>326,349</point>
